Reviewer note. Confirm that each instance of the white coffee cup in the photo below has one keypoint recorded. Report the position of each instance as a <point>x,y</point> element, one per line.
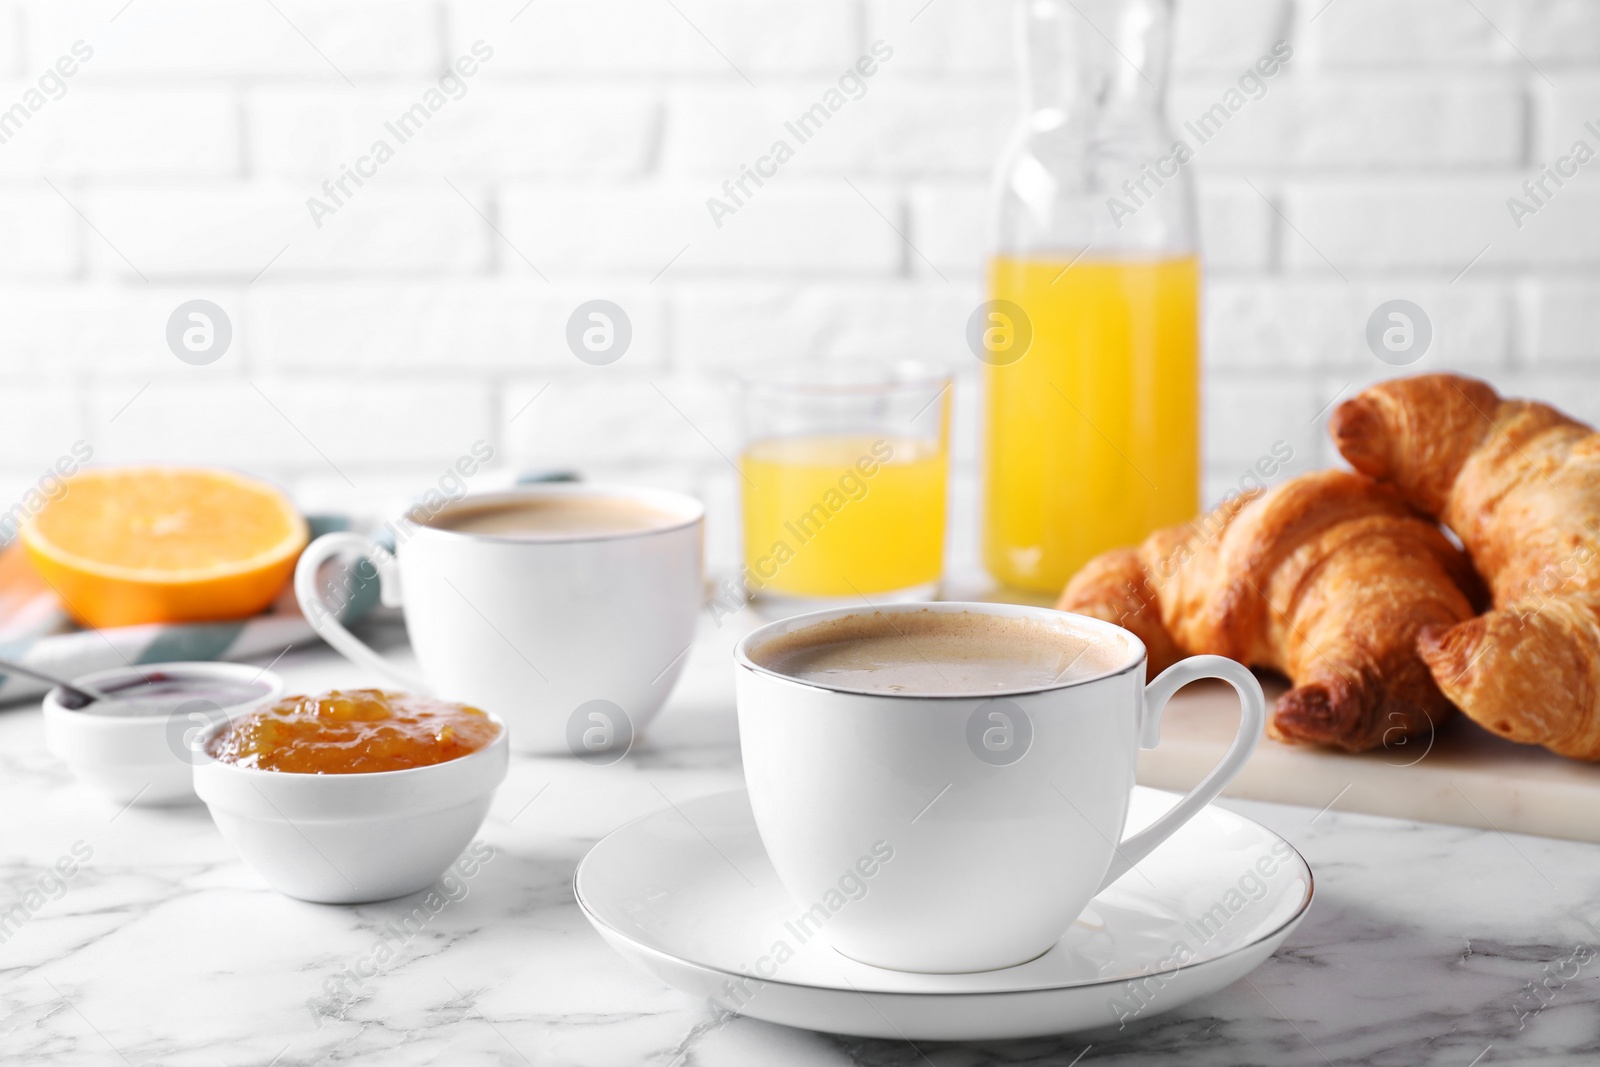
<point>575,640</point>
<point>957,833</point>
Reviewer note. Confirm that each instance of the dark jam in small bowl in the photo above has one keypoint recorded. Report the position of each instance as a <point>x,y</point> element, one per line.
<point>160,693</point>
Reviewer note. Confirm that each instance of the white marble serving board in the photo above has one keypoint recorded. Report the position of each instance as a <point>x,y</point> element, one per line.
<point>1464,775</point>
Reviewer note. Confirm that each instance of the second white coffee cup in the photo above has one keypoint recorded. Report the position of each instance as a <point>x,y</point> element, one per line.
<point>575,639</point>
<point>954,833</point>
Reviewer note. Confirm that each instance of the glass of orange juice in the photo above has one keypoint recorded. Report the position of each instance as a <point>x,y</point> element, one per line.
<point>843,475</point>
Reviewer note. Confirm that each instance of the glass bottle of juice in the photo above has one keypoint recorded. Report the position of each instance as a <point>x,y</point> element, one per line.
<point>1093,431</point>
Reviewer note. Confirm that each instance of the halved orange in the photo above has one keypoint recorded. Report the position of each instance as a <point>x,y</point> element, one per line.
<point>130,545</point>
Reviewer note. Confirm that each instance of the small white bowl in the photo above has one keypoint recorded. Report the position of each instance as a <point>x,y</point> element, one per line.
<point>352,838</point>
<point>146,759</point>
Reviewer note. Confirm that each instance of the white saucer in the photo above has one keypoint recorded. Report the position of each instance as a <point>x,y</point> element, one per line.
<point>687,893</point>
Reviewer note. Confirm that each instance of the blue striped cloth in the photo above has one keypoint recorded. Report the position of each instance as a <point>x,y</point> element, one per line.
<point>41,635</point>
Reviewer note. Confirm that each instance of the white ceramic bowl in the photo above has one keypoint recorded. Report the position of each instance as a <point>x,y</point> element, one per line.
<point>353,838</point>
<point>145,759</point>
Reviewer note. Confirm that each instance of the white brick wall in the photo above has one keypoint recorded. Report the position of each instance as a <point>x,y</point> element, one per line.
<point>429,309</point>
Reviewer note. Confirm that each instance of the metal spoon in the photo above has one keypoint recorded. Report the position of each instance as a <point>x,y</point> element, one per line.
<point>87,694</point>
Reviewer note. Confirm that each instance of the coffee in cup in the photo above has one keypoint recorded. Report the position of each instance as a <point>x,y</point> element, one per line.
<point>928,653</point>
<point>556,517</point>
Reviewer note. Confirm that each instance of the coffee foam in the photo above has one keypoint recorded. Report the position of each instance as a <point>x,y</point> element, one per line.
<point>926,652</point>
<point>535,518</point>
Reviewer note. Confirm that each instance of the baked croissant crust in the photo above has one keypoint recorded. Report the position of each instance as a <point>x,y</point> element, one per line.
<point>1519,483</point>
<point>1327,578</point>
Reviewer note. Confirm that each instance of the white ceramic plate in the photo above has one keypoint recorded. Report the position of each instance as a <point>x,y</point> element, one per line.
<point>687,893</point>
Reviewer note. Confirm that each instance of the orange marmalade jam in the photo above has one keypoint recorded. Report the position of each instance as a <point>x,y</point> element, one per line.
<point>353,731</point>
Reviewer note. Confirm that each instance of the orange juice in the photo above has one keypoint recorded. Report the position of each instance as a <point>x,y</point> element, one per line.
<point>837,515</point>
<point>1093,436</point>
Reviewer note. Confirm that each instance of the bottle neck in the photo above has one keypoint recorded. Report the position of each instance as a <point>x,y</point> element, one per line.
<point>1089,59</point>
<point>1094,125</point>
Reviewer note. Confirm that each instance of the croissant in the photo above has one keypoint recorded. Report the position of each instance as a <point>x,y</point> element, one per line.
<point>1519,483</point>
<point>1327,578</point>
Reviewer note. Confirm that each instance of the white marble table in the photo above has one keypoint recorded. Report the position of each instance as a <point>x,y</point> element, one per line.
<point>1425,944</point>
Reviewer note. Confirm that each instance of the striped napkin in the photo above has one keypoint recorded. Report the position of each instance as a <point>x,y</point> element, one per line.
<point>36,631</point>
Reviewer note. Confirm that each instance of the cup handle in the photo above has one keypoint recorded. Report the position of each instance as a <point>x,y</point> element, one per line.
<point>325,620</point>
<point>1252,717</point>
